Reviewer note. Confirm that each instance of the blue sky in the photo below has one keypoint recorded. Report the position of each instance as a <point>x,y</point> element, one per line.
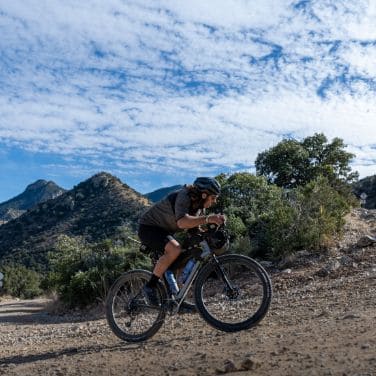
<point>160,92</point>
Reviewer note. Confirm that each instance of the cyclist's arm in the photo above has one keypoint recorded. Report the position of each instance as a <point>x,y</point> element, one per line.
<point>191,221</point>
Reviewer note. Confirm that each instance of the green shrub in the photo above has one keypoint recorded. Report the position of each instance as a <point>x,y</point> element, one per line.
<point>277,221</point>
<point>82,273</point>
<point>242,245</point>
<point>272,232</point>
<point>249,203</point>
<point>20,281</point>
<point>307,218</point>
<point>323,210</point>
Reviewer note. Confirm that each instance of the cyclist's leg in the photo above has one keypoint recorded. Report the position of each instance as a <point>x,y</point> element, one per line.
<point>163,244</point>
<point>171,252</point>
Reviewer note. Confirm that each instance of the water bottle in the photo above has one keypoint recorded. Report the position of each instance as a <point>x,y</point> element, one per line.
<point>170,278</point>
<point>187,270</point>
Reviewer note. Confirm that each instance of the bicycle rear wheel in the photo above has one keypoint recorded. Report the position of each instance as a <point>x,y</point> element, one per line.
<point>128,314</point>
<point>239,304</point>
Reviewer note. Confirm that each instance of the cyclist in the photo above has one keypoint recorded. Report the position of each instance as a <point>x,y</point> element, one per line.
<point>178,211</point>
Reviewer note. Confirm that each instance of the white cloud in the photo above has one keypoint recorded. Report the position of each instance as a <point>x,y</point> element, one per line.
<point>361,59</point>
<point>201,86</point>
<point>238,13</point>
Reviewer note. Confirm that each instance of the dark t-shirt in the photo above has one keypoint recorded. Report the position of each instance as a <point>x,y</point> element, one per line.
<point>162,215</point>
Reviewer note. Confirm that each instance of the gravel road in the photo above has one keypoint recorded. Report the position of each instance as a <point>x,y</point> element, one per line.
<point>321,322</point>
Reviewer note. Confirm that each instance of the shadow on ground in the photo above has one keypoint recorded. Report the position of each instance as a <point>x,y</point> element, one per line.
<point>34,312</point>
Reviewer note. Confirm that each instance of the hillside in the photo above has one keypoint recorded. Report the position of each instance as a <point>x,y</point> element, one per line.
<point>321,322</point>
<point>367,186</point>
<point>35,193</point>
<point>162,192</point>
<point>94,210</point>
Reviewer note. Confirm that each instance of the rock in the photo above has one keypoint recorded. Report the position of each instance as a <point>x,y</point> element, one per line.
<point>351,316</point>
<point>79,195</point>
<point>100,180</point>
<point>330,267</point>
<point>346,261</point>
<point>69,203</point>
<point>303,253</point>
<point>323,313</point>
<point>249,364</point>
<point>266,264</point>
<point>229,366</point>
<point>287,262</point>
<point>333,265</point>
<point>322,273</point>
<point>366,241</point>
<point>287,271</point>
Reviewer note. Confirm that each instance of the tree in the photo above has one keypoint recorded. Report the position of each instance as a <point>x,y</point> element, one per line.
<point>246,199</point>
<point>267,221</point>
<point>292,163</point>
<point>21,282</point>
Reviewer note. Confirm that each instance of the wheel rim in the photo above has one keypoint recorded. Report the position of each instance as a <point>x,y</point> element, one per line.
<point>131,313</point>
<point>242,301</point>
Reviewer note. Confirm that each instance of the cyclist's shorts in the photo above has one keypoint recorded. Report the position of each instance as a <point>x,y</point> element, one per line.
<point>154,238</point>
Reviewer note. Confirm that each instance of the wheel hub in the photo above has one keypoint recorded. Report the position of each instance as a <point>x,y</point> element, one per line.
<point>233,293</point>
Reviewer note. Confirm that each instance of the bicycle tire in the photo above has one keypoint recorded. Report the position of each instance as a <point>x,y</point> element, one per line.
<point>128,314</point>
<point>252,297</point>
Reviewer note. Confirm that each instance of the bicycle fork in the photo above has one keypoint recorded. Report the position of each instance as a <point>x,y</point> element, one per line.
<point>231,292</point>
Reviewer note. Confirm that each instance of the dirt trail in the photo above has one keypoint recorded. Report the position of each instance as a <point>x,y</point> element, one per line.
<point>322,322</point>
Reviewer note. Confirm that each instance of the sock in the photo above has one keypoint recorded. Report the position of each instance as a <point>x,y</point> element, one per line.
<point>153,281</point>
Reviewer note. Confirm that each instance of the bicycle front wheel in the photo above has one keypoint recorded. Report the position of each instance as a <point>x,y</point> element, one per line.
<point>128,313</point>
<point>233,294</point>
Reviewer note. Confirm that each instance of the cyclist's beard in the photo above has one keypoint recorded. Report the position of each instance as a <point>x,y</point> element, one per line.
<point>196,205</point>
<point>197,202</point>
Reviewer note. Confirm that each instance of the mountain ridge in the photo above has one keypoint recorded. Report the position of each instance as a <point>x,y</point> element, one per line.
<point>39,191</point>
<point>94,210</point>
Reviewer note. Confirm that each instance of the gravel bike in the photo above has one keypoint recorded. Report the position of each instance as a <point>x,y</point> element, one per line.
<point>232,292</point>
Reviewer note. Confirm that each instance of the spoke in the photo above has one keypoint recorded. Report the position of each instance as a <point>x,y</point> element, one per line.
<point>238,303</point>
<point>130,311</point>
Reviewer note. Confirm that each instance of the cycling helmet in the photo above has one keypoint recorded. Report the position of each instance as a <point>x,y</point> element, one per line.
<point>209,185</point>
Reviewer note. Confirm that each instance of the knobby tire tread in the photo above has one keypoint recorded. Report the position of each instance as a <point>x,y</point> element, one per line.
<point>205,273</point>
<point>109,307</point>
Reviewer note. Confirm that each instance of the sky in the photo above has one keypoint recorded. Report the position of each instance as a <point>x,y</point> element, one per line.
<point>159,92</point>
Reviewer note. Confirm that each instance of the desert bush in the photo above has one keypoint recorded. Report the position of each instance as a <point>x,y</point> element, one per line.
<point>279,221</point>
<point>307,218</point>
<point>249,202</point>
<point>20,281</point>
<point>82,273</point>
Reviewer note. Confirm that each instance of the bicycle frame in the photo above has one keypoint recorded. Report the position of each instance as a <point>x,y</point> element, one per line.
<point>186,286</point>
<point>206,254</point>
<point>131,316</point>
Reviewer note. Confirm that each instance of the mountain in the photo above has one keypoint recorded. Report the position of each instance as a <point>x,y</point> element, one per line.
<point>35,193</point>
<point>162,192</point>
<point>93,210</point>
<point>367,186</point>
